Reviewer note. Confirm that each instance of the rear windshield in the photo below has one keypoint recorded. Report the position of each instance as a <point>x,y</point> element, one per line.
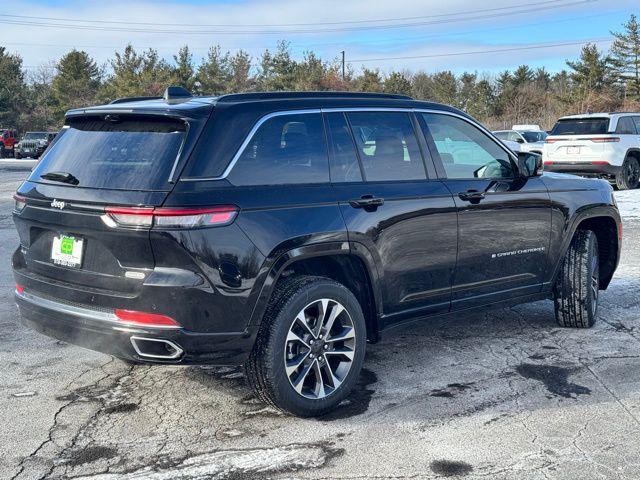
<point>532,137</point>
<point>115,152</point>
<point>581,126</point>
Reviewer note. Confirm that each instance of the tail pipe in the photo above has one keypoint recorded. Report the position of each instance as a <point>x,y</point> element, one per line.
<point>156,348</point>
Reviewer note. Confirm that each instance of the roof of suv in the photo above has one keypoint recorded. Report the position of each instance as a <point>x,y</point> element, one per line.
<point>275,100</point>
<point>598,115</point>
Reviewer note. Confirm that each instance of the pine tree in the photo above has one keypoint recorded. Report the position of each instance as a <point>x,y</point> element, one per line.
<point>184,71</point>
<point>397,82</point>
<point>214,73</point>
<point>76,82</point>
<point>240,79</point>
<point>13,91</point>
<point>625,57</point>
<point>138,74</point>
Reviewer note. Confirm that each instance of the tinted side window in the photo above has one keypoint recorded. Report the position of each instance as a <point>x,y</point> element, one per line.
<point>625,126</point>
<point>465,151</point>
<point>344,158</point>
<point>285,149</point>
<point>387,146</point>
<point>636,120</point>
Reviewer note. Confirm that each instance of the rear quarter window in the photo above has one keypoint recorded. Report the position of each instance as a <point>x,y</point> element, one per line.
<point>285,149</point>
<point>116,153</point>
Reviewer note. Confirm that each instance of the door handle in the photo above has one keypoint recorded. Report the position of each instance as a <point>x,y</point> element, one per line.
<point>472,196</point>
<point>368,202</point>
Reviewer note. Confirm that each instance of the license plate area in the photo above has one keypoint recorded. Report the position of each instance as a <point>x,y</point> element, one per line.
<point>67,250</point>
<point>573,150</point>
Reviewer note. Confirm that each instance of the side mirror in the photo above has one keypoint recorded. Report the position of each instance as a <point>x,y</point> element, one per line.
<point>530,164</point>
<point>519,140</point>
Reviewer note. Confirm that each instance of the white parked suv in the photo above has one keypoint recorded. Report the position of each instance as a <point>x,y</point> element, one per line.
<point>605,145</point>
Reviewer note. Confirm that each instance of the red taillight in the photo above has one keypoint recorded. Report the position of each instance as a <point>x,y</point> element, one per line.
<point>19,202</point>
<point>548,162</point>
<point>604,139</point>
<point>170,217</point>
<point>194,217</point>
<point>620,231</point>
<point>146,319</point>
<point>19,288</point>
<point>599,162</point>
<point>552,140</point>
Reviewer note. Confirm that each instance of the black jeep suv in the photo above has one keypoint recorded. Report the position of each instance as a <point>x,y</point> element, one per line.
<point>281,231</point>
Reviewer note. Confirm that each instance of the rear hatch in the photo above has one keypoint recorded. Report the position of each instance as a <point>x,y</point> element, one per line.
<point>577,140</point>
<point>97,161</point>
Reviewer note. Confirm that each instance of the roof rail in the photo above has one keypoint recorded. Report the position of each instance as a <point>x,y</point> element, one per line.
<point>132,99</point>
<point>324,94</point>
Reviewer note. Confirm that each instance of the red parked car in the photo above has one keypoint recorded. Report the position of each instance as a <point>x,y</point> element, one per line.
<point>8,142</point>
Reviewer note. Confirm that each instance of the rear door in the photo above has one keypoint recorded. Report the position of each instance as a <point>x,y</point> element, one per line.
<point>95,162</point>
<point>405,221</point>
<point>504,220</point>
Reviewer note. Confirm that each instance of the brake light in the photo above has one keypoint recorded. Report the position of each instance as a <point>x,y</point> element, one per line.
<point>604,139</point>
<point>599,162</point>
<point>170,217</point>
<point>551,140</point>
<point>548,162</point>
<point>20,202</point>
<point>19,288</point>
<point>146,319</point>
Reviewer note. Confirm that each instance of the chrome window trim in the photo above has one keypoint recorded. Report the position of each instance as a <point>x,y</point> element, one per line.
<point>248,139</point>
<point>271,115</point>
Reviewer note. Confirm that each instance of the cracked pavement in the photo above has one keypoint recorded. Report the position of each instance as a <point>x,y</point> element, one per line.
<point>501,395</point>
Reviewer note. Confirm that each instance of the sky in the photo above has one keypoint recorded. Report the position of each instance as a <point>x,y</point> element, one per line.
<point>428,35</point>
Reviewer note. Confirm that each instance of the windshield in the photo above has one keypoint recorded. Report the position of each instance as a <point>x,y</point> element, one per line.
<point>532,137</point>
<point>35,136</point>
<point>581,126</point>
<point>133,153</point>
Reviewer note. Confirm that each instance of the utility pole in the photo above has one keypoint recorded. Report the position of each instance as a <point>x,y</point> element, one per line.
<point>343,65</point>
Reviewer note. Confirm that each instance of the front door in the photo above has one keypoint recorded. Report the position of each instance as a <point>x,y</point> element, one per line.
<point>504,219</point>
<point>406,222</point>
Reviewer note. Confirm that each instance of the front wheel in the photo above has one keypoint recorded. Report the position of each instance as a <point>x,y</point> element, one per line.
<point>576,290</point>
<point>310,348</point>
<point>628,177</point>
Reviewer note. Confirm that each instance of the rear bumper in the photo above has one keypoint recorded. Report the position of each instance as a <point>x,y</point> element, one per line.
<point>98,329</point>
<point>586,169</point>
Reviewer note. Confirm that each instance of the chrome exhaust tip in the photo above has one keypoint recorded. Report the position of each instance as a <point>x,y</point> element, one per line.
<point>156,348</point>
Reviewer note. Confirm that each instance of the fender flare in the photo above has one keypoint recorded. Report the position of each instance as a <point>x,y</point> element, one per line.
<point>589,212</point>
<point>279,265</point>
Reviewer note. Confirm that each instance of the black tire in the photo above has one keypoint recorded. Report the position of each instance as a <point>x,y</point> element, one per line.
<point>576,290</point>
<point>628,177</point>
<point>265,369</point>
<point>17,155</point>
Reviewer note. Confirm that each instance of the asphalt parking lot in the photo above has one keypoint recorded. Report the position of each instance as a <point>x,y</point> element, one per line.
<point>500,395</point>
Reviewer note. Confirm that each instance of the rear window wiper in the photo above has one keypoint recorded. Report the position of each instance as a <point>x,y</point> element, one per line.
<point>64,177</point>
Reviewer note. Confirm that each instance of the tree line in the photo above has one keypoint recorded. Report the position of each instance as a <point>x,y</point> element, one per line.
<point>595,81</point>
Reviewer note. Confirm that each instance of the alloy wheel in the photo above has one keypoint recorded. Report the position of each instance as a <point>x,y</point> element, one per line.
<point>319,348</point>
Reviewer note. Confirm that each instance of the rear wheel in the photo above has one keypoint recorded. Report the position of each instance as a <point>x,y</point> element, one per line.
<point>577,287</point>
<point>629,175</point>
<point>310,348</point>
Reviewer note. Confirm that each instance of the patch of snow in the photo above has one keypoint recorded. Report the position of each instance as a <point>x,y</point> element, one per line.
<point>628,204</point>
<point>225,463</point>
